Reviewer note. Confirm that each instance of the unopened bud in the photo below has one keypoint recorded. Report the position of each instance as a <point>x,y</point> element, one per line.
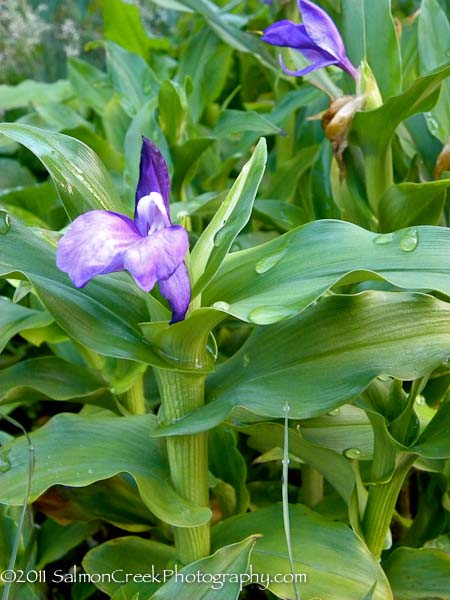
<point>442,162</point>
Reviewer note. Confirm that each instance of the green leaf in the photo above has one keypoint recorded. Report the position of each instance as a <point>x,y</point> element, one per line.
<point>434,31</point>
<point>207,61</point>
<point>419,574</point>
<point>55,541</point>
<point>186,158</point>
<point>365,23</point>
<point>408,204</point>
<point>285,275</point>
<point>14,318</point>
<point>324,552</point>
<point>92,86</point>
<point>30,91</point>
<point>237,39</point>
<point>13,174</point>
<point>129,555</point>
<point>229,220</point>
<point>228,559</point>
<point>76,451</point>
<point>52,378</point>
<point>122,25</point>
<point>233,495</point>
<point>132,78</point>
<point>96,315</point>
<point>352,339</point>
<point>334,467</point>
<point>241,121</point>
<point>173,110</point>
<point>81,179</point>
<point>435,441</point>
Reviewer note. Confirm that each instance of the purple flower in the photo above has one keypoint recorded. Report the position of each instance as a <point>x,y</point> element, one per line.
<point>150,247</point>
<point>317,38</point>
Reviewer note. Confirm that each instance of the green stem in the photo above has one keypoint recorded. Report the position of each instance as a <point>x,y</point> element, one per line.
<point>312,485</point>
<point>381,505</point>
<point>379,174</point>
<point>181,393</point>
<point>134,399</point>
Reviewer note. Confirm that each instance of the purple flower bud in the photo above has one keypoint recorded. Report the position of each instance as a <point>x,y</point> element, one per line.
<point>150,247</point>
<point>317,38</point>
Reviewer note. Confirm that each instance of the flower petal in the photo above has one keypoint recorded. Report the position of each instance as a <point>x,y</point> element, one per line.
<point>153,173</point>
<point>151,214</point>
<point>177,290</point>
<point>94,244</point>
<point>323,32</point>
<point>317,65</point>
<point>156,256</point>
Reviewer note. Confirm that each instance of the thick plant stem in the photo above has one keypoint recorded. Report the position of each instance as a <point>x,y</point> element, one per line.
<point>181,393</point>
<point>379,174</point>
<point>134,400</point>
<point>312,484</point>
<point>381,505</point>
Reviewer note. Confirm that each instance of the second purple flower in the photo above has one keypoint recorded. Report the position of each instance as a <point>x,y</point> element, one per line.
<point>317,38</point>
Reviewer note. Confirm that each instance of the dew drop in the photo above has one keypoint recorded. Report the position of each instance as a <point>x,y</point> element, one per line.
<point>266,315</point>
<point>269,261</point>
<point>90,471</point>
<point>4,222</point>
<point>409,241</point>
<point>220,305</point>
<point>246,360</point>
<point>384,238</point>
<point>5,463</point>
<point>420,400</point>
<point>335,412</point>
<point>352,453</point>
<point>446,362</point>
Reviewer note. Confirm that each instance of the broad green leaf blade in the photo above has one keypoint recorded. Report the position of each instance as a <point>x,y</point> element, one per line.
<point>229,220</point>
<point>14,318</point>
<point>55,379</point>
<point>375,128</point>
<point>29,91</point>
<point>76,451</point>
<point>96,316</point>
<point>434,32</point>
<point>237,39</point>
<point>419,574</point>
<point>283,276</point>
<point>325,553</point>
<point>122,25</point>
<point>55,541</point>
<point>228,559</point>
<point>351,339</point>
<point>132,78</point>
<point>81,179</point>
<point>435,440</point>
<point>240,121</point>
<point>231,490</point>
<point>129,555</point>
<point>334,467</point>
<point>365,23</point>
<point>92,86</point>
<point>409,204</point>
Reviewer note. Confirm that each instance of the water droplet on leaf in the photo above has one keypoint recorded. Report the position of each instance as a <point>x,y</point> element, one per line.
<point>5,463</point>
<point>384,238</point>
<point>269,261</point>
<point>266,315</point>
<point>420,400</point>
<point>220,305</point>
<point>383,377</point>
<point>409,241</point>
<point>4,222</point>
<point>352,453</point>
<point>335,412</point>
<point>246,360</point>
